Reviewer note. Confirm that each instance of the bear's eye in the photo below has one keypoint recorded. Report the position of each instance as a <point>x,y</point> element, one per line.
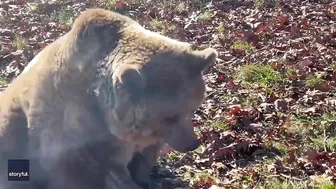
<point>171,119</point>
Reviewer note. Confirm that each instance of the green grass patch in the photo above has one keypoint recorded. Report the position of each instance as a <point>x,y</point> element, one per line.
<point>221,29</point>
<point>199,149</point>
<point>258,3</point>
<point>247,100</point>
<point>3,81</point>
<point>173,156</point>
<point>157,24</point>
<point>279,183</point>
<point>117,4</point>
<point>19,42</point>
<point>170,158</point>
<point>247,179</point>
<point>313,81</point>
<point>109,4</point>
<point>320,124</point>
<point>182,6</point>
<point>321,143</point>
<point>303,125</point>
<point>289,71</point>
<point>205,16</point>
<point>333,66</point>
<point>317,132</point>
<point>221,125</point>
<point>65,17</point>
<point>284,183</point>
<point>242,45</point>
<point>283,149</point>
<point>171,5</point>
<point>262,75</point>
<point>253,100</point>
<point>321,182</point>
<point>36,7</point>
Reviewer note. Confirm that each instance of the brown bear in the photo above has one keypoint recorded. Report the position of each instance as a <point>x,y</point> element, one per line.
<point>98,103</point>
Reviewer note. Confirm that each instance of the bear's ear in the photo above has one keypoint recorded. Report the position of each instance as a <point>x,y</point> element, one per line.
<point>100,29</point>
<point>96,23</point>
<point>128,85</point>
<point>98,35</point>
<point>205,59</point>
<point>129,78</point>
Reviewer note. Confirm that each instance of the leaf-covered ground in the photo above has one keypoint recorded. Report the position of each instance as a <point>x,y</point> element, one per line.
<point>269,118</point>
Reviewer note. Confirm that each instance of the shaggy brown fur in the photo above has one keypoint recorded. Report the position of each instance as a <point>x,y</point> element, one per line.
<point>103,92</point>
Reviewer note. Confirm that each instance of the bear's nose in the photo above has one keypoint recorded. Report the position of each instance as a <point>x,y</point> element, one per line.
<point>194,145</point>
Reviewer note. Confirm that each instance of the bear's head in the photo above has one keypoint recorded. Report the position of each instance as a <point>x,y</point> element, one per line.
<point>157,94</point>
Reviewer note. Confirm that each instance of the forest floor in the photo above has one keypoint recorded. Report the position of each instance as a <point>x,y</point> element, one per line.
<point>269,117</point>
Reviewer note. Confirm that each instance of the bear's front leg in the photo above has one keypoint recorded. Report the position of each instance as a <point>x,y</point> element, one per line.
<point>141,165</point>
